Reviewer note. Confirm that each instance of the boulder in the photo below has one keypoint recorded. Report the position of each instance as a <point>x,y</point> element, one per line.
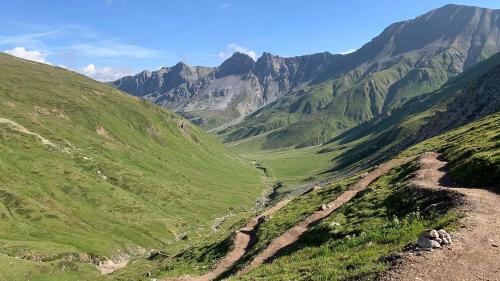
<point>424,242</point>
<point>427,244</point>
<point>435,244</point>
<point>433,234</point>
<point>445,236</point>
<point>447,240</point>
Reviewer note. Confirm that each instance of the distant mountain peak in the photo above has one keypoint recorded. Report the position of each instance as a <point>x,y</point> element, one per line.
<point>266,55</point>
<point>182,64</point>
<point>240,57</point>
<point>423,51</point>
<point>237,64</point>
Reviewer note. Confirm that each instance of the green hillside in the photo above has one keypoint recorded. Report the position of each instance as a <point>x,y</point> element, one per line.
<point>323,110</point>
<point>366,144</point>
<point>87,169</point>
<point>359,240</point>
<point>385,218</point>
<point>385,135</point>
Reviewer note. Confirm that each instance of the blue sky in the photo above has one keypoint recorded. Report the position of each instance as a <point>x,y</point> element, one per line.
<point>106,39</point>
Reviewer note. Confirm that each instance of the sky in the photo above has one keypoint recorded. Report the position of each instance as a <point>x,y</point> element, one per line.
<point>108,39</point>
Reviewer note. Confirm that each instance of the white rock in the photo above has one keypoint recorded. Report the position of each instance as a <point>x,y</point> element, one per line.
<point>442,233</point>
<point>435,244</point>
<point>448,239</point>
<point>433,234</point>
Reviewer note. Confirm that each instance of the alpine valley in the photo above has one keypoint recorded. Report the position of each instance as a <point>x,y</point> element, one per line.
<point>379,164</point>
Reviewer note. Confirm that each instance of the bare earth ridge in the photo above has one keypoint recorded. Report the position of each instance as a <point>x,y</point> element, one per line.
<point>475,252</point>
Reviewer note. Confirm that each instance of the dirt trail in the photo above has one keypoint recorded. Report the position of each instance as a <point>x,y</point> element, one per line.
<point>294,233</point>
<point>22,129</point>
<point>242,242</point>
<point>475,252</point>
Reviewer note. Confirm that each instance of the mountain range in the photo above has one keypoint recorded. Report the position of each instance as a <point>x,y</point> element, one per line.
<point>308,100</point>
<point>318,172</point>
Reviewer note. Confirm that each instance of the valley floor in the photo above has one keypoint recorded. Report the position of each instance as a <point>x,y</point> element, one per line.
<point>473,256</point>
<point>243,238</point>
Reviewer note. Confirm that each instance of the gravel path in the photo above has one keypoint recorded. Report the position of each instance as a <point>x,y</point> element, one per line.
<point>242,242</point>
<point>294,233</point>
<point>475,252</point>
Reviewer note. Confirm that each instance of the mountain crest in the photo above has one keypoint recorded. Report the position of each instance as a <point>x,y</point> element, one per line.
<point>407,59</point>
<point>237,64</point>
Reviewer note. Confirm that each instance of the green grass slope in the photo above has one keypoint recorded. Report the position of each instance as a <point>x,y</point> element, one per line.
<point>324,109</point>
<point>85,168</point>
<point>357,241</point>
<point>381,137</point>
<point>362,238</point>
<point>386,135</point>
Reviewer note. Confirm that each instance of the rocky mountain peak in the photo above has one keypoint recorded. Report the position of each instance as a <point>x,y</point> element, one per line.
<point>182,65</point>
<point>450,39</point>
<point>237,64</point>
<point>184,72</point>
<point>472,31</point>
<point>268,64</point>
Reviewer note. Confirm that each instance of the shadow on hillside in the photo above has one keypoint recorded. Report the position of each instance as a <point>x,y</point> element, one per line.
<point>365,150</point>
<point>447,181</point>
<point>401,202</point>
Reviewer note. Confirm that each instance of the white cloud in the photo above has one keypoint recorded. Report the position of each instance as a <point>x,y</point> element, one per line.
<point>348,51</point>
<point>30,40</point>
<point>33,55</point>
<point>233,47</point>
<point>106,73</point>
<point>113,49</point>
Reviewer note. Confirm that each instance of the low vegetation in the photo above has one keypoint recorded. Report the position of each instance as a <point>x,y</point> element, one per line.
<point>473,151</point>
<point>358,241</point>
<point>87,169</point>
<point>362,238</point>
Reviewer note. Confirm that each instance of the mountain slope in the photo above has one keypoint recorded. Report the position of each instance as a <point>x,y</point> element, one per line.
<point>88,171</point>
<point>383,136</point>
<point>406,60</point>
<point>360,238</point>
<point>306,100</point>
<point>468,97</point>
